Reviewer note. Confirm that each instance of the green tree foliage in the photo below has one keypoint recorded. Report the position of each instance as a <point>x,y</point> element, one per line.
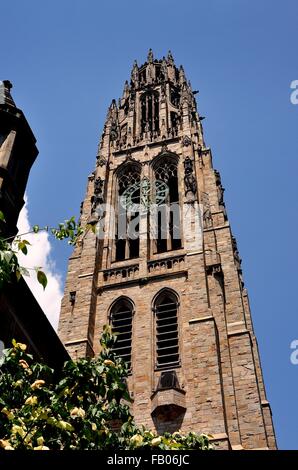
<point>11,270</point>
<point>86,408</point>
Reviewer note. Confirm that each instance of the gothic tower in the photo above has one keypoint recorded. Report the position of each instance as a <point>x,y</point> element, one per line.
<point>164,269</point>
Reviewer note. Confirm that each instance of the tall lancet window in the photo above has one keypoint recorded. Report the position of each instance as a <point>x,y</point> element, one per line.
<point>166,325</point>
<point>121,314</point>
<point>167,216</point>
<point>127,212</point>
<point>150,112</point>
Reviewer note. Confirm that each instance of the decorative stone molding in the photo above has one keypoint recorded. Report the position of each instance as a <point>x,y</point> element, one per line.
<point>186,141</point>
<point>111,276</point>
<point>168,404</point>
<point>175,263</point>
<point>213,263</point>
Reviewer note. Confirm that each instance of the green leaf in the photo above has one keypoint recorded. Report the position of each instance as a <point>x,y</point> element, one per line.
<point>6,256</point>
<point>42,278</point>
<point>22,246</point>
<point>2,217</point>
<point>35,228</point>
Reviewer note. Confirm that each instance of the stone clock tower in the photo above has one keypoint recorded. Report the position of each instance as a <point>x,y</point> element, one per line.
<point>164,269</point>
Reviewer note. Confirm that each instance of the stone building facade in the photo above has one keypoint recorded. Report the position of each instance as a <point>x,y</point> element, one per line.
<point>21,317</point>
<point>164,269</point>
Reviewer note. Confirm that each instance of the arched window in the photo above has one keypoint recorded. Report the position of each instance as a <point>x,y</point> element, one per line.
<point>121,322</point>
<point>166,325</point>
<point>168,235</point>
<point>127,209</point>
<point>150,112</point>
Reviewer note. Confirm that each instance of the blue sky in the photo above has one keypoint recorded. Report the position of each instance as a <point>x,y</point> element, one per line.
<point>68,59</point>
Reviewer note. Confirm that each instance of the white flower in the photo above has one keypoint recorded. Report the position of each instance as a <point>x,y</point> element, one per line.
<point>65,426</point>
<point>136,440</point>
<point>108,362</point>
<point>77,413</point>
<point>156,441</point>
<point>31,401</point>
<point>37,384</point>
<point>18,430</point>
<point>5,444</point>
<point>23,363</point>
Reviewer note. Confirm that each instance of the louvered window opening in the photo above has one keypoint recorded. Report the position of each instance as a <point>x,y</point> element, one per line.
<point>122,325</point>
<point>167,334</point>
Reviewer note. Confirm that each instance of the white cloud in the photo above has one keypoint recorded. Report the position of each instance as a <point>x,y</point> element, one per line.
<point>39,254</point>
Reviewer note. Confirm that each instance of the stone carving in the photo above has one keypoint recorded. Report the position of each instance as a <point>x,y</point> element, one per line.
<point>129,157</point>
<point>97,198</point>
<point>113,116</point>
<point>236,253</point>
<point>220,189</point>
<point>95,201</point>
<point>189,179</point>
<point>207,216</point>
<point>164,148</point>
<point>98,186</point>
<point>241,278</point>
<point>238,261</point>
<point>101,162</point>
<point>150,56</point>
<point>114,131</point>
<point>186,141</point>
<point>91,176</point>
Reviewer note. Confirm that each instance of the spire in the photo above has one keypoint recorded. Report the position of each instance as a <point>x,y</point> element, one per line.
<point>170,58</point>
<point>150,56</point>
<point>113,108</point>
<point>135,73</point>
<point>182,78</point>
<point>164,68</point>
<point>113,120</point>
<point>125,90</point>
<point>5,96</point>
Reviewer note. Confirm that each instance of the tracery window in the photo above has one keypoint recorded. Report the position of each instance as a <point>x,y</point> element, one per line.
<point>127,214</point>
<point>167,230</point>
